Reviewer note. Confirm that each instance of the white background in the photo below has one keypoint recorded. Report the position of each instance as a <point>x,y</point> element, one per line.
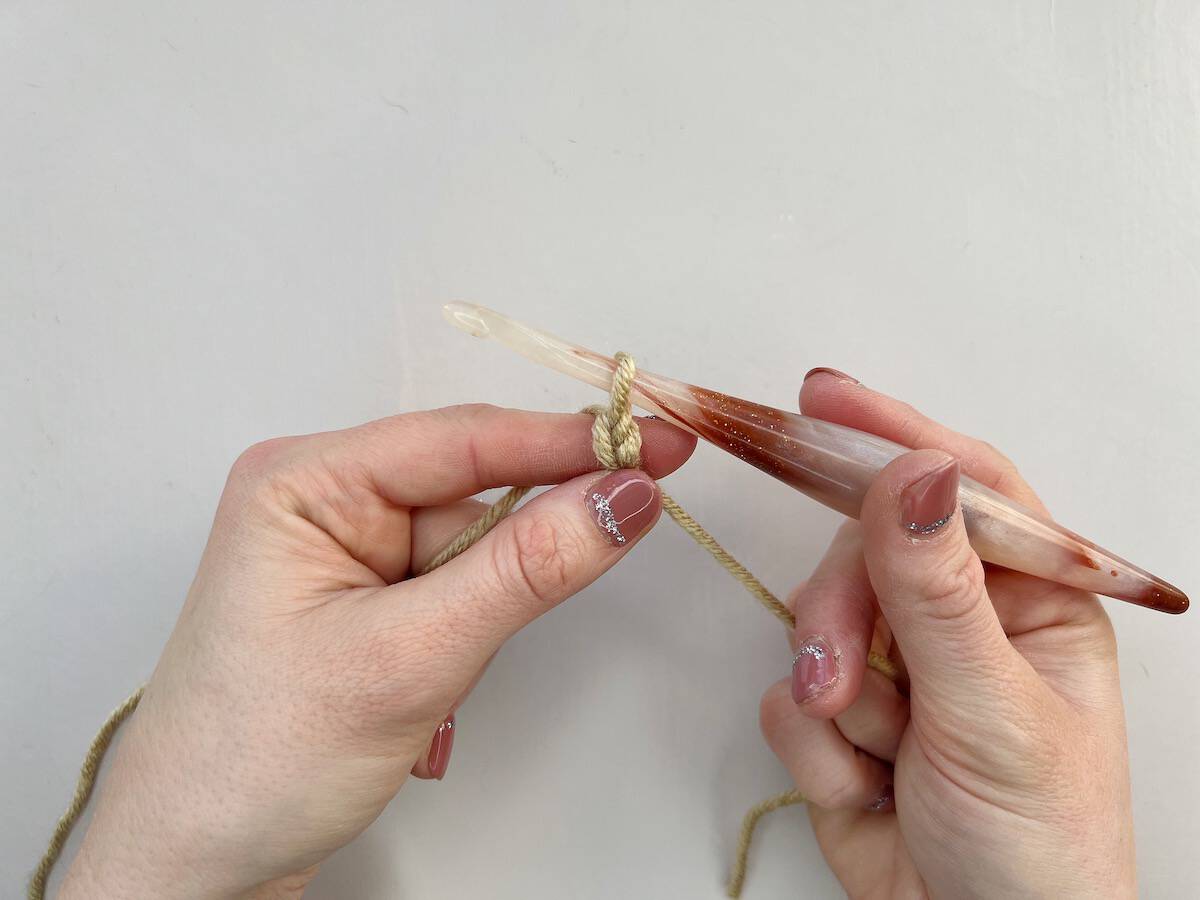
<point>225,221</point>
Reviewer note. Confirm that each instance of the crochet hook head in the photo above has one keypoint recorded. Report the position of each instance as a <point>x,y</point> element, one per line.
<point>562,356</point>
<point>835,465</point>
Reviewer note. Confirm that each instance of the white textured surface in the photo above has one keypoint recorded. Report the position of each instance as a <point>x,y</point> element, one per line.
<point>231,220</point>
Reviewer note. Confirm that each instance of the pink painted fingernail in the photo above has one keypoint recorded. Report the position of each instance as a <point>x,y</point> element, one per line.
<point>828,371</point>
<point>439,749</point>
<point>814,669</point>
<point>883,801</point>
<point>928,503</point>
<point>623,504</point>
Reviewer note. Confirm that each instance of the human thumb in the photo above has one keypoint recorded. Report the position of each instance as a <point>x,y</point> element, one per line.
<point>930,584</point>
<point>546,551</point>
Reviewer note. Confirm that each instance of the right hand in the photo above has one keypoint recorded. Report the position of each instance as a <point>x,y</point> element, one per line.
<point>1004,736</point>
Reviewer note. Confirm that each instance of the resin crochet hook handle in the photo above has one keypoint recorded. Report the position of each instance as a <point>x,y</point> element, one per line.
<point>835,465</point>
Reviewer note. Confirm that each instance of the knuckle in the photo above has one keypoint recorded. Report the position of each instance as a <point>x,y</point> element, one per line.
<point>911,426</point>
<point>838,793</point>
<point>1002,461</point>
<point>1007,478</point>
<point>467,410</point>
<point>997,471</point>
<point>262,474</point>
<point>1097,639</point>
<point>1015,737</point>
<point>1000,458</point>
<point>953,590</point>
<point>461,413</point>
<point>537,558</point>
<point>429,424</point>
<point>263,456</point>
<point>1030,744</point>
<point>1104,635</point>
<point>466,423</point>
<point>441,415</point>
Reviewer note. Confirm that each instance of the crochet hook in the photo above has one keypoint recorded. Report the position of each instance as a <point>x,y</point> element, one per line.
<point>834,465</point>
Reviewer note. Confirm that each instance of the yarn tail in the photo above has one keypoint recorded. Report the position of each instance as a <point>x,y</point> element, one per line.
<point>83,792</point>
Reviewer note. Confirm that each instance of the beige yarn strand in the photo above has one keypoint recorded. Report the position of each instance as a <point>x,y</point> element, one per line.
<point>617,443</point>
<point>83,792</point>
<point>478,528</point>
<point>737,877</point>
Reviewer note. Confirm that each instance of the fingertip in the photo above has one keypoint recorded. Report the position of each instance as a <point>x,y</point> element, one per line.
<point>883,499</point>
<point>432,764</point>
<point>543,553</point>
<point>910,508</point>
<point>822,387</point>
<point>665,448</point>
<point>835,613</point>
<point>929,581</point>
<point>827,675</point>
<point>623,505</point>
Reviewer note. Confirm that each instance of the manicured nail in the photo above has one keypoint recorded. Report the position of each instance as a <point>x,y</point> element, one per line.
<point>815,669</point>
<point>623,504</point>
<point>834,372</point>
<point>883,801</point>
<point>928,503</point>
<point>439,749</point>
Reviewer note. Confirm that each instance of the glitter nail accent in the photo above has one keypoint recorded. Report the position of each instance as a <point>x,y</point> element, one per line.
<point>816,668</point>
<point>885,798</point>
<point>931,527</point>
<point>816,651</point>
<point>607,520</point>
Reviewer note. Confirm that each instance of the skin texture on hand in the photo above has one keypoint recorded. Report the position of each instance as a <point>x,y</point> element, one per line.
<point>996,766</point>
<point>308,675</point>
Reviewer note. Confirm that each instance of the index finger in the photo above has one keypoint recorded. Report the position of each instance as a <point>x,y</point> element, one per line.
<point>838,398</point>
<point>438,456</point>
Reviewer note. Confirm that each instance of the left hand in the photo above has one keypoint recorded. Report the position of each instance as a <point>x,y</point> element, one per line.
<point>308,674</point>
